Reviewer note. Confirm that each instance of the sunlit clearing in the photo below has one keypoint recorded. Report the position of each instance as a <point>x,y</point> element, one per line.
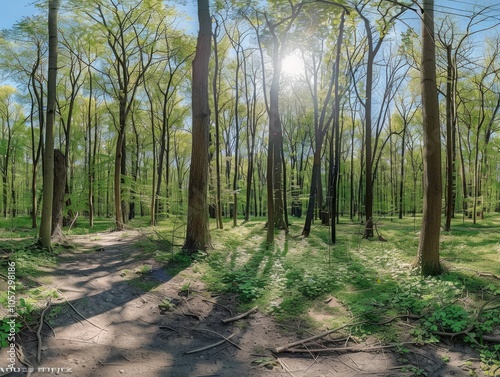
<point>293,65</point>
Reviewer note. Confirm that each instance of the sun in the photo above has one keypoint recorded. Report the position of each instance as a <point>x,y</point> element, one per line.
<point>293,65</point>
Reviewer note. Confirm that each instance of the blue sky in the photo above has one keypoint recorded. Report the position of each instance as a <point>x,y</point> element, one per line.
<point>15,10</point>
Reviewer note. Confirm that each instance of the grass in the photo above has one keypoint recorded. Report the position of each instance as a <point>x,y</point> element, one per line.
<point>371,281</point>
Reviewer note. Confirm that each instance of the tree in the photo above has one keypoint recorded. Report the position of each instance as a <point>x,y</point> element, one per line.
<point>131,33</point>
<point>428,247</point>
<point>10,114</point>
<point>197,232</point>
<point>375,35</point>
<point>48,158</point>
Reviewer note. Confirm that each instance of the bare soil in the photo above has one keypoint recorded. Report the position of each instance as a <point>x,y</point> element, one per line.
<point>114,317</point>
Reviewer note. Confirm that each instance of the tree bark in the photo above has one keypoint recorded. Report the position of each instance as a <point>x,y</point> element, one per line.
<point>428,248</point>
<point>48,158</point>
<point>60,172</point>
<point>197,232</point>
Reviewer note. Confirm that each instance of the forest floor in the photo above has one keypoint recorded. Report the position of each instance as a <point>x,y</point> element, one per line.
<point>114,313</point>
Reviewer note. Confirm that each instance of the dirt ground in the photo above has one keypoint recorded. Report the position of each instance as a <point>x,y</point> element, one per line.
<point>114,318</point>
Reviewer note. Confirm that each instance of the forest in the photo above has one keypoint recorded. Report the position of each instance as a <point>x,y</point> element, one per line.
<point>319,166</point>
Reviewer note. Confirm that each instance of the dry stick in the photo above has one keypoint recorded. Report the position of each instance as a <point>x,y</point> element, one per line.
<point>39,333</point>
<point>81,315</point>
<point>216,333</point>
<point>299,342</point>
<point>240,316</point>
<point>210,346</point>
<point>342,349</point>
<point>199,316</point>
<point>20,356</point>
<point>51,328</point>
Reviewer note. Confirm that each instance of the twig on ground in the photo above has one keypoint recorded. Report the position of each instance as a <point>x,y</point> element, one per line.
<point>39,333</point>
<point>51,328</point>
<point>81,315</point>
<point>284,366</point>
<point>199,316</point>
<point>310,339</point>
<point>210,346</point>
<point>240,316</point>
<point>342,349</point>
<point>22,359</point>
<point>216,333</point>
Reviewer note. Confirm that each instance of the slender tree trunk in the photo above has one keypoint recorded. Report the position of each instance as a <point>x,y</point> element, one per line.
<point>218,204</point>
<point>336,135</point>
<point>402,172</point>
<point>90,165</point>
<point>428,248</point>
<point>48,166</point>
<point>450,167</point>
<point>197,232</point>
<point>60,172</point>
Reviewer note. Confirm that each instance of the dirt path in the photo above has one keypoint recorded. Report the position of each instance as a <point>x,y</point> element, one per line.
<point>107,322</point>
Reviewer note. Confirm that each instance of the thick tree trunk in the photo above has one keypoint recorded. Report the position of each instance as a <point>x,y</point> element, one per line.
<point>197,232</point>
<point>428,248</point>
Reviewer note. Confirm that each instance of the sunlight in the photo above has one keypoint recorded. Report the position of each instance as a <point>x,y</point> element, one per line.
<point>293,65</point>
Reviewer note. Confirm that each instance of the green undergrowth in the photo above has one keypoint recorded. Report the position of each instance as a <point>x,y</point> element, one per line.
<point>366,283</point>
<point>373,282</point>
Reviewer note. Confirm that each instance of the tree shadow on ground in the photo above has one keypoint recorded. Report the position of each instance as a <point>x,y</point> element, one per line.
<point>110,320</point>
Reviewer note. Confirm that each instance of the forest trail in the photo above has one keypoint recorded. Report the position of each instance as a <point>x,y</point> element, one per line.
<point>114,317</point>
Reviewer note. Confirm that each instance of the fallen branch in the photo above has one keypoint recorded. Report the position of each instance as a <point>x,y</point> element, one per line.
<point>39,333</point>
<point>209,346</point>
<point>310,339</point>
<point>240,316</point>
<point>491,339</point>
<point>343,349</point>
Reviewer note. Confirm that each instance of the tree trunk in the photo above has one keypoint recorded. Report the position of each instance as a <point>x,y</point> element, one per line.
<point>428,248</point>
<point>450,166</point>
<point>197,232</point>
<point>48,158</point>
<point>402,172</point>
<point>336,135</point>
<point>60,172</point>
<point>218,204</point>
